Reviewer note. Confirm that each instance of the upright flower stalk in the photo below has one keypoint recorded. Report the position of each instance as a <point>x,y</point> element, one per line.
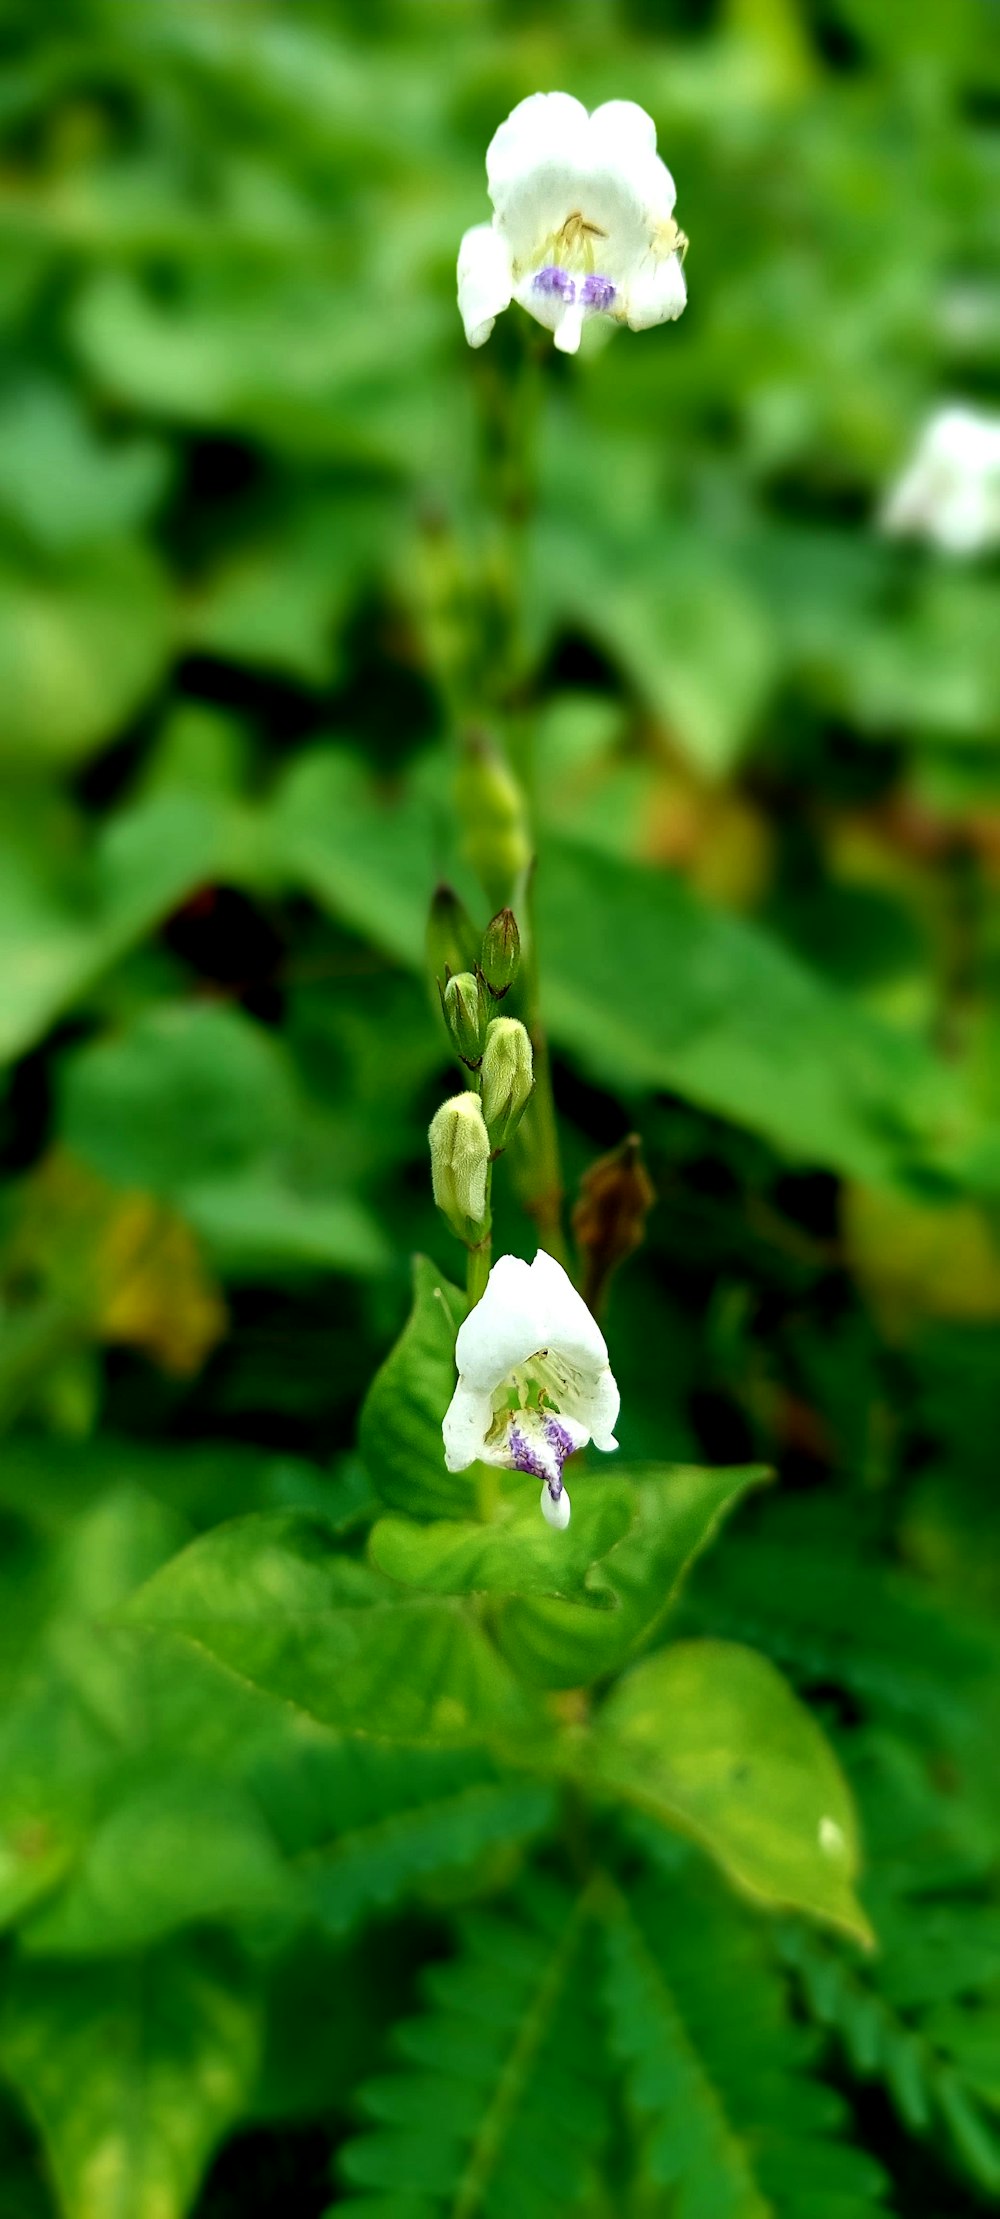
<point>583,230</point>
<point>473,1128</point>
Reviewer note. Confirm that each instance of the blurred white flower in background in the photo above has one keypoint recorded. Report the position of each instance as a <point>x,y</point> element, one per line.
<point>534,1381</point>
<point>950,491</point>
<point>583,223</point>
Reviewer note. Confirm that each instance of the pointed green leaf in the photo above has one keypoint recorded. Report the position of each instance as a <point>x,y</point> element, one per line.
<point>855,1093</point>
<point>709,1737</point>
<point>556,1643</point>
<point>270,1597</point>
<point>176,1849</point>
<point>401,1420</point>
<point>519,1554</point>
<point>132,2073</point>
<point>71,671</point>
<point>56,940</point>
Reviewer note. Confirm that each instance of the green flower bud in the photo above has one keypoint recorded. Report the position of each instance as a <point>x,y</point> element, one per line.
<point>507,1078</point>
<point>452,939</point>
<point>464,1004</point>
<point>491,812</point>
<point>460,1154</point>
<point>501,953</point>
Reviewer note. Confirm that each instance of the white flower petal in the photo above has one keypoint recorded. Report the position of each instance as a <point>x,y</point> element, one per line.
<point>484,281</point>
<point>594,1406</point>
<point>546,164</point>
<point>625,122</point>
<point>547,127</point>
<point>950,491</point>
<point>556,1509</point>
<point>466,1423</point>
<point>504,1329</point>
<point>656,293</point>
<point>569,1325</point>
<point>623,137</point>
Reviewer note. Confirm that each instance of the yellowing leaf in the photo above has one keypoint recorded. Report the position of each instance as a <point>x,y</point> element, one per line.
<point>917,1260</point>
<point>708,1737</point>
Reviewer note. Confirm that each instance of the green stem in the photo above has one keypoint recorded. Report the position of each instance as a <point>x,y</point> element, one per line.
<point>477,1269</point>
<point>538,1167</point>
<point>512,431</point>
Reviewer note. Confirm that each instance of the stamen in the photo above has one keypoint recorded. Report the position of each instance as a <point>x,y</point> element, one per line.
<point>578,226</point>
<point>597,293</point>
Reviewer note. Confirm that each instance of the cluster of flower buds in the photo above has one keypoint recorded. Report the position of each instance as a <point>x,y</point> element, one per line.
<point>474,1127</point>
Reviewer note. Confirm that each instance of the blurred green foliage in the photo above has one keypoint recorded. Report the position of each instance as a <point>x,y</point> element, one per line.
<point>270,536</point>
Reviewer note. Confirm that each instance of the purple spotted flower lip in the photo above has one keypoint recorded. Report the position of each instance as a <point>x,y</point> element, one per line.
<point>583,223</point>
<point>555,281</point>
<point>534,1380</point>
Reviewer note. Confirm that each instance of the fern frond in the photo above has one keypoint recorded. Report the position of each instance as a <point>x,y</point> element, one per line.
<point>800,1590</point>
<point>731,2123</point>
<point>365,1823</point>
<point>929,2089</point>
<point>922,2015</point>
<point>497,2105</point>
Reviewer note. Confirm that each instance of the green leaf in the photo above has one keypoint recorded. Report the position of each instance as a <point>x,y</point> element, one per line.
<point>652,989</point>
<point>132,2072</point>
<point>400,1434</point>
<point>270,1597</point>
<point>180,1848</point>
<point>727,2121</point>
<point>71,671</point>
<point>56,939</point>
<point>932,2094</point>
<point>802,1588</point>
<point>279,601</point>
<point>498,2102</point>
<point>370,857</point>
<point>679,1509</point>
<point>710,1739</point>
<point>201,1106</point>
<point>687,631</point>
<point>24,2191</point>
<point>364,1822</point>
<point>61,483</point>
<point>518,1555</point>
<point>52,1752</point>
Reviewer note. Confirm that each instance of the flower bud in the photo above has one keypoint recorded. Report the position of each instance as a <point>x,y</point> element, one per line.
<point>464,1004</point>
<point>460,1154</point>
<point>501,953</point>
<point>609,1220</point>
<point>452,939</point>
<point>491,813</point>
<point>507,1078</point>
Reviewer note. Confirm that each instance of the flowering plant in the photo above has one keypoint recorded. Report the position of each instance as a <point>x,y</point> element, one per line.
<point>377,1832</point>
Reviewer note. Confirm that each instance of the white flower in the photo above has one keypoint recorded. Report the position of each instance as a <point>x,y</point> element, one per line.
<point>534,1381</point>
<point>583,223</point>
<point>950,493</point>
